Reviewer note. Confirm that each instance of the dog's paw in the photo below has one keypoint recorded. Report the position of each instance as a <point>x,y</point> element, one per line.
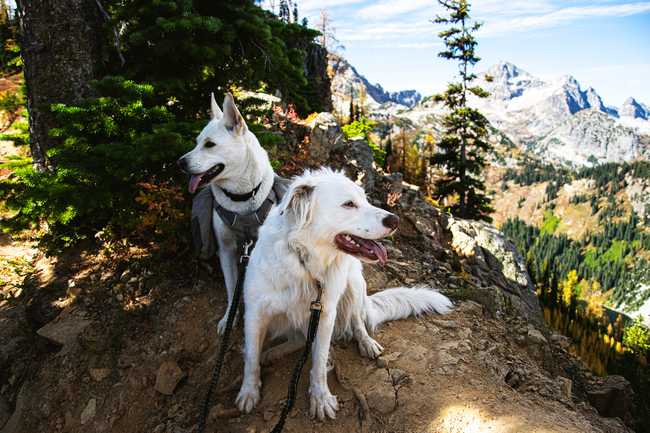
<point>370,348</point>
<point>247,398</point>
<point>221,325</point>
<point>323,403</point>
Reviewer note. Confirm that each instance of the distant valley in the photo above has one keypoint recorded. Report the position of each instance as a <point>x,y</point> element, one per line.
<point>565,162</point>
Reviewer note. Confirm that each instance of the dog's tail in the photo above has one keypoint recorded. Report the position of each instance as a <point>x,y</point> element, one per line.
<point>398,303</point>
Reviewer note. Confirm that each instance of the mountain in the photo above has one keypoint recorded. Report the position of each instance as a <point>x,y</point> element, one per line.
<point>636,110</point>
<point>346,80</point>
<point>555,118</point>
<point>589,136</point>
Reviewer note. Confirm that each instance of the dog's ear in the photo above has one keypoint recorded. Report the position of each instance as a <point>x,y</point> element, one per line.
<point>215,111</point>
<point>232,117</point>
<point>299,204</point>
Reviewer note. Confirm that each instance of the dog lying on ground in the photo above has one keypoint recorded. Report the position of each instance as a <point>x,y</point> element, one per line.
<point>228,157</point>
<point>321,231</point>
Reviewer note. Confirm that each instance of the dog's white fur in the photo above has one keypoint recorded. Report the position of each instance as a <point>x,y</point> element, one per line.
<point>246,164</point>
<point>296,247</point>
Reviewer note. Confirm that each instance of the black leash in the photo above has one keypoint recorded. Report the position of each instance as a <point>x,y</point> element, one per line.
<point>316,308</point>
<point>232,312</point>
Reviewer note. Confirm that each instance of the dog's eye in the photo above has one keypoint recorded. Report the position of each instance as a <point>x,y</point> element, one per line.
<point>210,144</point>
<point>349,205</point>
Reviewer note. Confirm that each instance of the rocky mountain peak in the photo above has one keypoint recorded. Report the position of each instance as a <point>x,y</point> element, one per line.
<point>505,71</point>
<point>594,100</point>
<point>632,108</point>
<point>347,81</point>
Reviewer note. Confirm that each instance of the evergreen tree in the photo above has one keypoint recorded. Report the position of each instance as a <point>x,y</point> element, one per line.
<point>285,12</point>
<point>352,113</point>
<point>389,153</point>
<point>9,51</point>
<point>296,18</point>
<point>464,144</point>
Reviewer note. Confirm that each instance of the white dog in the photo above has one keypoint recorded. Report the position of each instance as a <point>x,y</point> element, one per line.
<point>229,158</point>
<point>320,231</point>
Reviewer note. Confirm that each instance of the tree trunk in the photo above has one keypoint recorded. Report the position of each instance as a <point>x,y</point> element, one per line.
<point>61,43</point>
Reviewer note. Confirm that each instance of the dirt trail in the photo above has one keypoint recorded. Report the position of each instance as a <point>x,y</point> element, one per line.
<point>438,374</point>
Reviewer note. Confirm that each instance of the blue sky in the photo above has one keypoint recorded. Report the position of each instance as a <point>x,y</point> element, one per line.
<point>603,43</point>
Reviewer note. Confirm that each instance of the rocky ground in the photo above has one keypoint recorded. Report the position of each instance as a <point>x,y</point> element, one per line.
<point>112,339</point>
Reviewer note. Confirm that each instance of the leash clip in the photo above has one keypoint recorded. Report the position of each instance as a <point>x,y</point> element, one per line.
<point>245,254</point>
<point>316,306</point>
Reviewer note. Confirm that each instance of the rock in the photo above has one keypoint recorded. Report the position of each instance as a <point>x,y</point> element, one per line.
<point>5,411</point>
<point>325,133</point>
<point>394,253</point>
<point>65,328</point>
<point>536,337</point>
<point>381,362</point>
<point>168,376</point>
<point>561,341</point>
<point>495,260</point>
<point>360,163</point>
<point>515,377</point>
<point>89,411</point>
<point>566,386</point>
<point>612,396</point>
<point>99,374</point>
<point>448,324</point>
<point>398,376</point>
<point>382,399</point>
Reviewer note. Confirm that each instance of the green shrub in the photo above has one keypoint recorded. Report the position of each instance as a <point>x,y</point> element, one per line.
<point>361,129</point>
<point>108,145</point>
<point>636,337</point>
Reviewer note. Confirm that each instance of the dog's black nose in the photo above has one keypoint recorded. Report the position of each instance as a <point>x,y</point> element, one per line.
<point>182,163</point>
<point>391,221</point>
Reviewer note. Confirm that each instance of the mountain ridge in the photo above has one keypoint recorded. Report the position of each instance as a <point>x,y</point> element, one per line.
<point>346,80</point>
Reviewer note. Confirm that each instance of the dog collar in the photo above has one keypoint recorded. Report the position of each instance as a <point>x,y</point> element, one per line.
<point>242,197</point>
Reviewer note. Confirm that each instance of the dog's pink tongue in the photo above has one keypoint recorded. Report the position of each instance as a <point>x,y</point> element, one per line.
<point>380,252</point>
<point>195,180</point>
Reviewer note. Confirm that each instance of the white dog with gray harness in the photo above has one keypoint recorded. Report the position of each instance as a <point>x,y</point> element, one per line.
<point>242,189</point>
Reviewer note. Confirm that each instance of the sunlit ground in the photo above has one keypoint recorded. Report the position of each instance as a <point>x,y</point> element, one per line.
<point>463,419</point>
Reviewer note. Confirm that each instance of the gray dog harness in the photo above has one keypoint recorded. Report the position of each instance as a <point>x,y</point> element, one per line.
<point>245,226</point>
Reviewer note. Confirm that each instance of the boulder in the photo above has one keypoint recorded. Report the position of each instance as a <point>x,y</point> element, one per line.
<point>324,135</point>
<point>612,396</point>
<point>328,147</point>
<point>359,163</point>
<point>495,261</point>
<point>65,328</point>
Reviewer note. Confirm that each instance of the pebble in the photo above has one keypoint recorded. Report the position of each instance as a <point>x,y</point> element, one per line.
<point>99,374</point>
<point>398,376</point>
<point>382,399</point>
<point>536,337</point>
<point>382,362</point>
<point>168,376</point>
<point>89,412</point>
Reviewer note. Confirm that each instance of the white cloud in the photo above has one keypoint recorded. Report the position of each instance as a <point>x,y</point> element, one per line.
<point>559,17</point>
<point>416,45</point>
<point>385,31</point>
<point>389,8</point>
